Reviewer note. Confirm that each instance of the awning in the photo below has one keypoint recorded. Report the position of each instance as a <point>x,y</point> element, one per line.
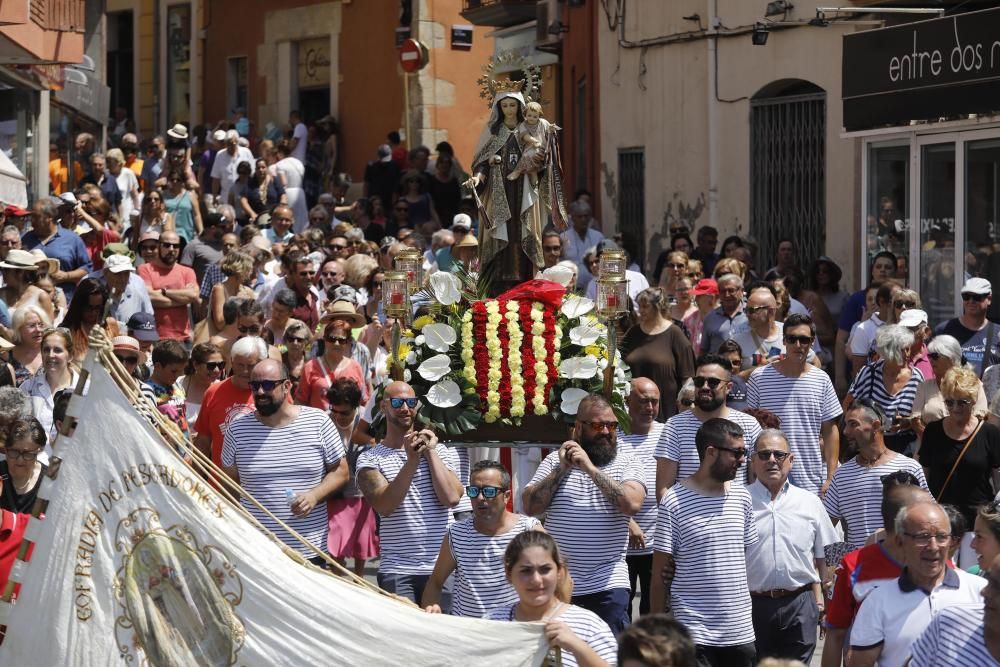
<point>13,185</point>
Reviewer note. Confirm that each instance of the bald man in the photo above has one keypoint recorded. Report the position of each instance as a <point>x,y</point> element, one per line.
<point>412,482</point>
<point>289,457</point>
<point>643,407</point>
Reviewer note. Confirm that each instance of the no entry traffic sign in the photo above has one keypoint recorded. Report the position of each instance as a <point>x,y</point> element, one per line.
<point>413,56</point>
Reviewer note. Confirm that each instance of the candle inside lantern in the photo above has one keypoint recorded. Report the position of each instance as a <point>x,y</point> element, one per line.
<point>612,300</point>
<point>396,298</point>
<point>410,275</point>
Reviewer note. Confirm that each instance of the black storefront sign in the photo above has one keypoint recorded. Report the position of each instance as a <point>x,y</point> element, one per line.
<point>941,68</point>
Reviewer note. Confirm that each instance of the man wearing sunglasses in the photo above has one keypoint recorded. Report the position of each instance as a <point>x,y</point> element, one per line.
<point>172,288</point>
<point>701,524</point>
<point>972,329</point>
<point>794,530</point>
<point>289,457</point>
<point>676,455</point>
<point>469,545</point>
<point>588,492</point>
<point>411,480</point>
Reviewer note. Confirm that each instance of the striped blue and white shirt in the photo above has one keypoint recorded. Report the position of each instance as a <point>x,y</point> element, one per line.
<point>410,537</point>
<point>642,448</point>
<point>954,637</point>
<point>802,403</point>
<point>855,495</point>
<point>273,461</point>
<point>480,583</point>
<point>585,624</point>
<point>677,441</point>
<point>708,537</point>
<point>592,533</point>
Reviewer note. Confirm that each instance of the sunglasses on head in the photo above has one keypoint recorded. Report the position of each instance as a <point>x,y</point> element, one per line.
<point>397,403</point>
<point>487,491</point>
<point>264,385</point>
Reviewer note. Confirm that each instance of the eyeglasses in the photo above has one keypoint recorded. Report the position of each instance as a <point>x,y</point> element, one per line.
<point>338,340</point>
<point>923,539</point>
<point>738,452</point>
<point>267,386</point>
<point>978,298</point>
<point>128,361</point>
<point>799,340</point>
<point>766,454</point>
<point>215,365</point>
<point>397,403</point>
<point>15,454</point>
<point>955,402</point>
<point>164,244</point>
<point>602,426</point>
<point>295,339</point>
<point>487,491</point>
<point>757,309</point>
<point>904,304</point>
<point>11,242</point>
<point>306,274</point>
<point>337,246</point>
<point>255,329</point>
<point>699,381</point>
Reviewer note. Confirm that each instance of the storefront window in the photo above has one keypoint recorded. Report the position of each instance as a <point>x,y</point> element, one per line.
<point>937,231</point>
<point>18,118</point>
<point>178,64</point>
<point>982,204</point>
<point>888,221</point>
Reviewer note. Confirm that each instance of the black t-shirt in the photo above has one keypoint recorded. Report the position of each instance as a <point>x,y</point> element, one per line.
<point>382,179</point>
<point>10,500</point>
<point>970,486</point>
<point>973,342</point>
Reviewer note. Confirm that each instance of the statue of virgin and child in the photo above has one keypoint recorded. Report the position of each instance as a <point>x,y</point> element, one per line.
<point>517,178</point>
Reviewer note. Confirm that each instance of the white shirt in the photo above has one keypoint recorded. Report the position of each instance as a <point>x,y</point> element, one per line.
<point>636,283</point>
<point>573,249</point>
<point>301,132</point>
<point>895,615</point>
<point>794,529</point>
<point>585,624</point>
<point>642,448</point>
<point>225,166</point>
<point>862,339</point>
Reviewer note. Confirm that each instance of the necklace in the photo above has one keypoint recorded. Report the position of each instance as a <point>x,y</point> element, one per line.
<point>870,463</point>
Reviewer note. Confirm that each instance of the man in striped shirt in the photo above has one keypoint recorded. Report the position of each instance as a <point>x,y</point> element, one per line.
<point>288,457</point>
<point>411,480</point>
<point>588,490</point>
<point>804,399</point>
<point>967,635</point>
<point>676,455</point>
<point>643,407</point>
<point>474,548</point>
<point>855,495</point>
<point>704,527</point>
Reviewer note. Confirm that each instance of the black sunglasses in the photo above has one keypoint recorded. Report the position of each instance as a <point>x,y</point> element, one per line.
<point>699,381</point>
<point>978,298</point>
<point>215,365</point>
<point>266,385</point>
<point>801,340</point>
<point>766,454</point>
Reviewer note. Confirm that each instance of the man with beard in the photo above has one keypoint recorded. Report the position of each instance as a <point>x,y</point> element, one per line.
<point>855,495</point>
<point>966,634</point>
<point>172,288</point>
<point>643,407</point>
<point>705,524</point>
<point>589,492</point>
<point>470,545</point>
<point>411,480</point>
<point>289,458</point>
<point>676,455</point>
<point>782,567</point>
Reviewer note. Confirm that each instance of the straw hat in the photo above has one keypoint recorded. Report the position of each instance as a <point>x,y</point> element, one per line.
<point>344,310</point>
<point>41,258</point>
<point>468,241</point>
<point>21,260</point>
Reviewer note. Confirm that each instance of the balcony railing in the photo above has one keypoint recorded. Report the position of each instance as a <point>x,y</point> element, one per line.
<point>499,13</point>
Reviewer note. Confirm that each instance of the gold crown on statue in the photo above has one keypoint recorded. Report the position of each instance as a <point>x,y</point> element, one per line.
<point>490,85</point>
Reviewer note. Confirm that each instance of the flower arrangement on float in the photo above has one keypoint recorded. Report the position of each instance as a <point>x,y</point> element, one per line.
<point>532,351</point>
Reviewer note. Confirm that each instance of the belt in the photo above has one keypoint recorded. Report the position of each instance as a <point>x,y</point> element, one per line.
<point>781,592</point>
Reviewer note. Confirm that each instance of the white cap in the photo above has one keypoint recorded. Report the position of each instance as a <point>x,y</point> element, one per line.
<point>219,136</point>
<point>462,220</point>
<point>977,286</point>
<point>912,317</point>
<point>118,263</point>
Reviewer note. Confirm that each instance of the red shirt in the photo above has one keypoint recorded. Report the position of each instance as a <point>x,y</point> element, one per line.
<point>223,402</point>
<point>862,571</point>
<point>170,322</point>
<point>95,244</point>
<point>317,378</point>
<point>11,533</point>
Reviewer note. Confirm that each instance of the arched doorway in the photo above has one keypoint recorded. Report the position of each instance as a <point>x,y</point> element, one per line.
<point>788,169</point>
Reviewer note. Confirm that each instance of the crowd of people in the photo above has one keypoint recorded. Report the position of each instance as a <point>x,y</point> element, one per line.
<point>797,456</point>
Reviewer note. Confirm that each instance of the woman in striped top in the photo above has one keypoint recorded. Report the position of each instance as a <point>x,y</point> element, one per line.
<point>533,567</point>
<point>891,385</point>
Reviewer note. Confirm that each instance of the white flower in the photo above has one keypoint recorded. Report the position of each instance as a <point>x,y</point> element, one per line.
<point>578,368</point>
<point>571,398</point>
<point>407,375</point>
<point>559,274</point>
<point>584,335</point>
<point>439,337</point>
<point>602,363</point>
<point>411,358</point>
<point>445,394</point>
<point>435,368</point>
<point>575,306</point>
<point>420,340</point>
<point>446,288</point>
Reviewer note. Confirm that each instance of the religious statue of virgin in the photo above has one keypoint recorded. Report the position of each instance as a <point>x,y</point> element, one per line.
<point>514,211</point>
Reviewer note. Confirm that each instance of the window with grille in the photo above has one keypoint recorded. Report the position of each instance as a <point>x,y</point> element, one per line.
<point>631,202</point>
<point>788,173</point>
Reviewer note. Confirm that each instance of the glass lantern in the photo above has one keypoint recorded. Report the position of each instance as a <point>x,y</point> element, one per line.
<point>411,262</point>
<point>612,297</point>
<point>396,295</point>
<point>612,264</point>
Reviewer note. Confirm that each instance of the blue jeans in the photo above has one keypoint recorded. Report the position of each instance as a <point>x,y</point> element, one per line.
<point>411,586</point>
<point>610,605</point>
